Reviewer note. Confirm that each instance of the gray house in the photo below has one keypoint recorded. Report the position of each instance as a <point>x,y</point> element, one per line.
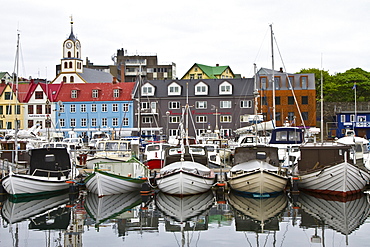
<point>215,104</point>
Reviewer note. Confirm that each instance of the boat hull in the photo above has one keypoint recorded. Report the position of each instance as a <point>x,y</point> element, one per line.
<point>184,183</point>
<point>154,163</point>
<point>341,179</point>
<point>258,182</point>
<point>27,185</point>
<point>105,183</point>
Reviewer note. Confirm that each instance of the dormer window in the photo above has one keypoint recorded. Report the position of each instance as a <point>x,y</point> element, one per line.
<point>225,88</point>
<point>174,89</point>
<point>115,93</point>
<point>73,94</point>
<point>201,89</point>
<point>147,90</point>
<point>95,93</point>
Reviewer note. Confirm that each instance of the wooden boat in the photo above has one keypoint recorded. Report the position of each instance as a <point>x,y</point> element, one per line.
<point>185,171</point>
<point>334,212</point>
<point>110,150</point>
<point>257,214</point>
<point>109,178</point>
<point>257,171</point>
<point>154,155</point>
<point>327,168</point>
<point>50,172</point>
<point>101,209</point>
<point>184,208</point>
<point>15,210</point>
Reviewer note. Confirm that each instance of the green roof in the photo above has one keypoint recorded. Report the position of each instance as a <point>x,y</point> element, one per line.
<point>211,71</point>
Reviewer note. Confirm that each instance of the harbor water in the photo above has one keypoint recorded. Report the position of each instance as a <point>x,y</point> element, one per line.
<point>215,218</point>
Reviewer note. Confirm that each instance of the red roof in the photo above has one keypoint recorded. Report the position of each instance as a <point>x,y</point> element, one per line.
<point>105,91</point>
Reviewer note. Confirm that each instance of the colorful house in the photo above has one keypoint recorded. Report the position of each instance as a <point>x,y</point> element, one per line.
<point>200,71</point>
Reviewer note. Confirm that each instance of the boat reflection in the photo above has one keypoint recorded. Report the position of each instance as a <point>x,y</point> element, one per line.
<point>259,215</point>
<point>343,215</point>
<point>101,209</point>
<point>43,213</point>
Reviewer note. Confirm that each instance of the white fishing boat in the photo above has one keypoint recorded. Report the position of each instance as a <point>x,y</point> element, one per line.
<point>360,153</point>
<point>110,178</point>
<point>185,171</point>
<point>101,209</point>
<point>96,137</point>
<point>50,171</point>
<point>154,155</point>
<point>110,151</point>
<point>327,168</point>
<point>257,171</point>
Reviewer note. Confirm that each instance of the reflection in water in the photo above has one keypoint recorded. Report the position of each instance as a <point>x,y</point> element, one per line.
<point>184,221</point>
<point>343,215</point>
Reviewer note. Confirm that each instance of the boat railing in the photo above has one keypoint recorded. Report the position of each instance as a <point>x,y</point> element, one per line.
<point>50,172</point>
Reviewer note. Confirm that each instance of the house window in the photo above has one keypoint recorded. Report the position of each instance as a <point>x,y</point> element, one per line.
<point>93,122</point>
<point>174,105</point>
<point>174,89</point>
<point>115,121</point>
<point>95,93</point>
<point>174,119</point>
<point>30,109</point>
<point>201,119</point>
<point>352,118</point>
<point>125,121</point>
<point>115,93</point>
<point>173,132</point>
<point>74,94</point>
<point>225,119</point>
<point>47,109</point>
<point>115,107</point>
<point>342,118</point>
<point>147,119</point>
<point>245,104</point>
<point>39,95</point>
<point>62,122</point>
<point>201,104</point>
<point>93,108</point>
<point>83,122</point>
<point>83,108</point>
<point>277,100</point>
<point>200,76</point>
<point>201,89</point>
<point>304,100</point>
<point>290,82</point>
<point>61,108</point>
<point>145,105</point>
<point>225,104</point>
<point>125,107</point>
<point>104,107</point>
<point>8,96</point>
<point>305,116</point>
<point>290,116</point>
<point>39,109</point>
<point>263,82</point>
<point>277,82</point>
<point>71,79</point>
<point>104,122</point>
<point>191,76</point>
<point>147,91</point>
<point>225,88</point>
<point>72,108</point>
<point>264,100</point>
<point>290,100</point>
<point>304,82</point>
<point>72,122</point>
<point>277,116</point>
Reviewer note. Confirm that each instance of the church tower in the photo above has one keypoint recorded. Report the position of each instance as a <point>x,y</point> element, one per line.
<point>71,63</point>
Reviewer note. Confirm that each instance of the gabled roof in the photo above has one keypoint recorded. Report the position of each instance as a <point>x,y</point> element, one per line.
<point>105,91</point>
<point>211,71</point>
<point>23,89</point>
<point>95,76</point>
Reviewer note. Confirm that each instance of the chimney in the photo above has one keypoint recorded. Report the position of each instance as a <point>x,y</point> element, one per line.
<point>122,73</point>
<point>217,65</point>
<point>281,69</point>
<point>114,80</point>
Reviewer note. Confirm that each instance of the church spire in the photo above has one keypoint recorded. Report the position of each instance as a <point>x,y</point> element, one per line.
<point>72,36</point>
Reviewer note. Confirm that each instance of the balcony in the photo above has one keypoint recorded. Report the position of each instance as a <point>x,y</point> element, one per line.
<point>135,62</point>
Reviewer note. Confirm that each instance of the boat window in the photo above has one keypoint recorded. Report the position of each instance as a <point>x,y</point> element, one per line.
<point>49,158</point>
<point>261,155</point>
<point>294,136</point>
<point>248,140</point>
<point>196,151</point>
<point>100,146</point>
<point>281,136</point>
<point>210,148</point>
<point>123,146</point>
<point>59,145</point>
<point>112,146</point>
<point>153,148</point>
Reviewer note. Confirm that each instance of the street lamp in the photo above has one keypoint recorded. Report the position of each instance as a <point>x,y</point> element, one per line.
<point>167,115</point>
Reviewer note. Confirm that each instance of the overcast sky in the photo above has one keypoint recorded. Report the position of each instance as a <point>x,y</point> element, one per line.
<point>210,32</point>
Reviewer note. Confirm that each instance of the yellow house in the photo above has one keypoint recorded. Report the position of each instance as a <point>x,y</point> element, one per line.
<point>200,71</point>
<point>10,108</point>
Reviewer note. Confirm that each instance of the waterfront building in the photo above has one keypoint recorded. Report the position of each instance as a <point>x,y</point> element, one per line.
<point>200,71</point>
<point>216,104</point>
<point>294,94</point>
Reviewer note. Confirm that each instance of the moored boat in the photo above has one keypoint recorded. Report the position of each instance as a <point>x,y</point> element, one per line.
<point>154,155</point>
<point>327,168</point>
<point>257,171</point>
<point>109,178</point>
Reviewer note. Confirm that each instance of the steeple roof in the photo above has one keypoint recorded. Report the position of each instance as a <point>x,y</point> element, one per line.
<point>72,36</point>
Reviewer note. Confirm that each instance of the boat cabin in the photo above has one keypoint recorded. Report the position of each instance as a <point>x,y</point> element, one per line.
<point>258,152</point>
<point>190,153</point>
<point>287,135</point>
<point>46,160</point>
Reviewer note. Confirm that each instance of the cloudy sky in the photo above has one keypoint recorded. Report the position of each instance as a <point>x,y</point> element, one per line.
<point>308,33</point>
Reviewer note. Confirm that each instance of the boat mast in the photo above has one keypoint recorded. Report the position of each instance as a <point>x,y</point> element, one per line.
<point>255,93</point>
<point>273,75</point>
<point>322,107</point>
<point>16,99</point>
